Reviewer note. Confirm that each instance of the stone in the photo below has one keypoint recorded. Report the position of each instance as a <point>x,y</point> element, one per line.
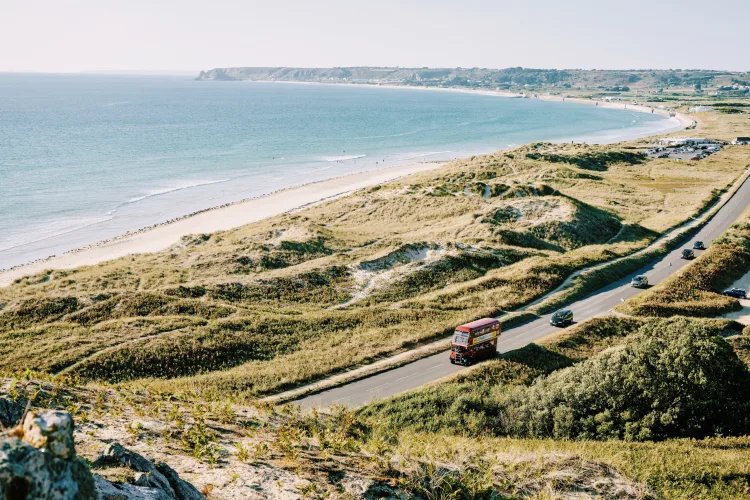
<point>183,489</point>
<point>11,412</point>
<point>160,476</point>
<point>27,473</point>
<point>109,491</point>
<point>118,455</point>
<point>140,479</point>
<point>50,431</point>
<point>42,464</point>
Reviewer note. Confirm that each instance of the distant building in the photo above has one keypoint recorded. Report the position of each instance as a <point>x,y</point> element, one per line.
<point>741,140</point>
<point>700,109</point>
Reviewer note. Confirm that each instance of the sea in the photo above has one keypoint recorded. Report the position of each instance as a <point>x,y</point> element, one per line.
<point>87,157</point>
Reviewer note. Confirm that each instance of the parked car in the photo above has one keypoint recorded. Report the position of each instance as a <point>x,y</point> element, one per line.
<point>698,245</point>
<point>688,254</point>
<point>663,155</point>
<point>563,317</point>
<point>640,281</point>
<point>737,293</point>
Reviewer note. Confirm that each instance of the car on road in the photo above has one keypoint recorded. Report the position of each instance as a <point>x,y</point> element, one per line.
<point>737,293</point>
<point>698,245</point>
<point>688,254</point>
<point>563,317</point>
<point>640,281</point>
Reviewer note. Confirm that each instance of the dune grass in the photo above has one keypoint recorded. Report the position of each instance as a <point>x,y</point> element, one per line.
<point>717,468</point>
<point>291,299</point>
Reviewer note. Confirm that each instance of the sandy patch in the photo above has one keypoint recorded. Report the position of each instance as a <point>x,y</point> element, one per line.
<point>377,274</point>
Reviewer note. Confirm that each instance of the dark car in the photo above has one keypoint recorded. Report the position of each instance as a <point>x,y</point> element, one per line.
<point>698,245</point>
<point>640,281</point>
<point>688,254</point>
<point>737,293</point>
<point>563,317</point>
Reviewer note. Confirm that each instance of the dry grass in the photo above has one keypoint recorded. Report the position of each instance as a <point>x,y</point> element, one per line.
<point>708,469</point>
<point>291,299</point>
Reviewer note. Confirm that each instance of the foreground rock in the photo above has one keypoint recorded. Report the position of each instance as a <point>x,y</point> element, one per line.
<point>38,462</point>
<point>160,480</point>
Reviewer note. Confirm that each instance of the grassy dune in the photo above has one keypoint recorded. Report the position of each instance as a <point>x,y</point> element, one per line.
<point>717,468</point>
<point>290,299</point>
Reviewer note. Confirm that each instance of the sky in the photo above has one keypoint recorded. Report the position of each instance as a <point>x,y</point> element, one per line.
<point>190,35</point>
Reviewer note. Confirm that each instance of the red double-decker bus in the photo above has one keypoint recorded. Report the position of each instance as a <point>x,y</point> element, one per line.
<point>475,341</point>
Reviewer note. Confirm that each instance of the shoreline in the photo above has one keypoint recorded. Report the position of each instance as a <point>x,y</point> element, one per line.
<point>219,218</point>
<point>685,120</point>
<point>235,214</point>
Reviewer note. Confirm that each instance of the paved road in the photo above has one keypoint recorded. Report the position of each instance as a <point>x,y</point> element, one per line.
<point>598,303</point>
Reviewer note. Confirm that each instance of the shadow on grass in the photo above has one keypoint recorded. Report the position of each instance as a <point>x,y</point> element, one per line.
<point>538,357</point>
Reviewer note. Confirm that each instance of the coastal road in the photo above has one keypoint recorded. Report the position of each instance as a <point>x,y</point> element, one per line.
<point>599,303</point>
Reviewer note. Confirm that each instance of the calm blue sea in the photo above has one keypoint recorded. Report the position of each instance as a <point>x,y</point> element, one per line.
<point>89,157</point>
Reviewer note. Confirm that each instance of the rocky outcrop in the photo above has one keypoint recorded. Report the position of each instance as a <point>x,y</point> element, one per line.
<point>38,461</point>
<point>182,489</point>
<point>160,479</point>
<point>125,491</point>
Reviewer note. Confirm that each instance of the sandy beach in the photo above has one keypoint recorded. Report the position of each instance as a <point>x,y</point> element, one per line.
<point>233,215</point>
<point>217,219</point>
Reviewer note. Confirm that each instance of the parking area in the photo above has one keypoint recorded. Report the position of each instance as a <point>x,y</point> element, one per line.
<point>692,152</point>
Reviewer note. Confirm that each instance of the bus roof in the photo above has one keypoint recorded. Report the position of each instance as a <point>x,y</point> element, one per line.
<point>478,324</point>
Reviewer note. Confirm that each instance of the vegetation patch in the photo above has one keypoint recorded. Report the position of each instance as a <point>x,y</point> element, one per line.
<point>587,159</point>
<point>556,220</point>
<point>695,290</point>
<point>673,379</point>
<point>676,378</point>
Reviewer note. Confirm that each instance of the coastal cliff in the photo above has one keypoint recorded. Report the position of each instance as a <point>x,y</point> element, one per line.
<point>615,81</point>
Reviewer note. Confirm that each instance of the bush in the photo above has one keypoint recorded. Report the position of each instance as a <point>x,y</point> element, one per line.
<point>591,160</point>
<point>671,379</point>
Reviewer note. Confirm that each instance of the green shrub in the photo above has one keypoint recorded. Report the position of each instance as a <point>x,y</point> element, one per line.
<point>591,160</point>
<point>671,379</point>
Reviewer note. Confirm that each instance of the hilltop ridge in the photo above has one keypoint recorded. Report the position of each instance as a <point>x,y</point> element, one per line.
<point>498,79</point>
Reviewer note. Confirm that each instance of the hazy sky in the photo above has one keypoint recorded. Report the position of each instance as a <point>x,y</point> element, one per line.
<point>69,35</point>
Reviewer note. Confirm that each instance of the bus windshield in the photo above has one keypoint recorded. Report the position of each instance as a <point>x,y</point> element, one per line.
<point>460,338</point>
